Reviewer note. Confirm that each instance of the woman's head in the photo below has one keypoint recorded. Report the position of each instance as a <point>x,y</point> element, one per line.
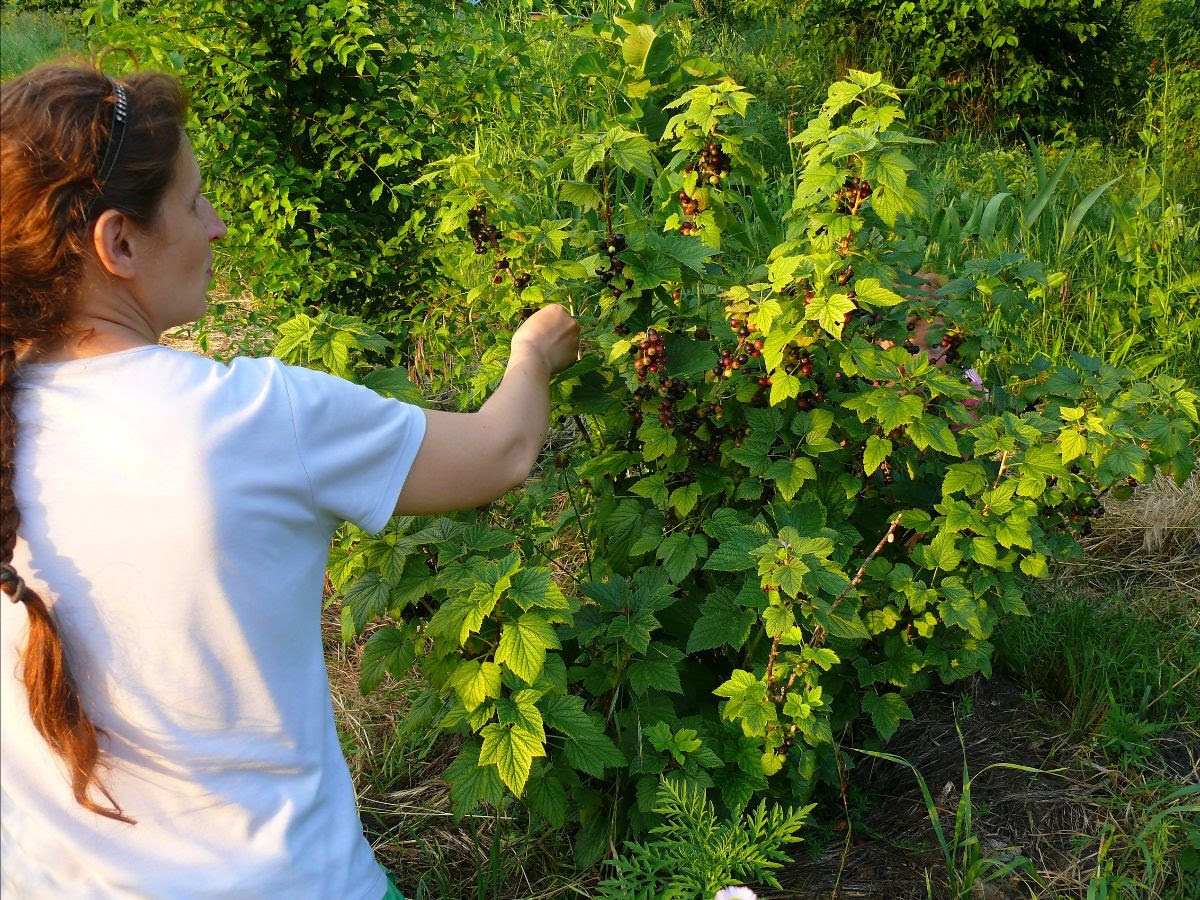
<point>57,125</point>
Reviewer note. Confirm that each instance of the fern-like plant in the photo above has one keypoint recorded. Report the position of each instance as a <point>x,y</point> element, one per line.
<point>696,854</point>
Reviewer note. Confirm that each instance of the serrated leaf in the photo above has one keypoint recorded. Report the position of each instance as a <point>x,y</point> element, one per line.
<point>588,748</point>
<point>887,711</point>
<point>656,440</point>
<point>777,620</point>
<point>632,153</point>
<point>523,645</point>
<point>784,386</point>
<point>830,312</point>
<point>659,669</point>
<point>581,194</point>
<point>968,477</point>
<point>870,290</point>
<point>748,703</point>
<point>1071,445</point>
<point>722,622</point>
<point>877,451</point>
<point>789,475</point>
<point>680,553</point>
<point>475,682</point>
<point>470,782</point>
<point>893,409</point>
<point>388,651</point>
<point>511,749</point>
<point>684,499</point>
<point>546,795</point>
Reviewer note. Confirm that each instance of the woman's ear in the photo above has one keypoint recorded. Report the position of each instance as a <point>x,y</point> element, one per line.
<point>113,241</point>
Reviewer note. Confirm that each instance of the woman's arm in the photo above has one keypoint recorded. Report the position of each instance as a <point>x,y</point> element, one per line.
<point>469,459</point>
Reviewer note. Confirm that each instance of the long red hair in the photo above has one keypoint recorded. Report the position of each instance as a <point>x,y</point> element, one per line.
<point>56,123</point>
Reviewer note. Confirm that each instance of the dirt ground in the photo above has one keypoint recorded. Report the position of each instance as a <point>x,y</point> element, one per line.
<point>1052,818</point>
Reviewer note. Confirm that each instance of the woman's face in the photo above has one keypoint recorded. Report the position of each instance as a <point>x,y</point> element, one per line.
<point>175,277</point>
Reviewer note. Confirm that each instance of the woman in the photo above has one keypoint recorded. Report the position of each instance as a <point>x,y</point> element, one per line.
<point>165,520</point>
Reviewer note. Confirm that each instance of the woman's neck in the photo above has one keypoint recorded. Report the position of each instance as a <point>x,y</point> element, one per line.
<point>89,336</point>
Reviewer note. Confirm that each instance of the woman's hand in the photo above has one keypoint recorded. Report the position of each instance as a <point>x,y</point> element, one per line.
<point>552,334</point>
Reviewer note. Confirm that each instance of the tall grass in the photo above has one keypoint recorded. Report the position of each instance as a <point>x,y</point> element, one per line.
<point>31,37</point>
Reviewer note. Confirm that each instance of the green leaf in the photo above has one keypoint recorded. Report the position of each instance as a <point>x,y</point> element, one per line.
<point>684,499</point>
<point>784,386</point>
<point>632,152</point>
<point>877,451</point>
<point>656,440</point>
<point>942,552</point>
<point>830,312</point>
<point>511,749</point>
<point>475,682</point>
<point>748,703</point>
<point>968,477</point>
<point>931,431</point>
<point>842,622</point>
<point>523,645</point>
<point>470,782</point>
<point>1071,445</point>
<point>367,599</point>
<point>588,748</point>
<point>546,796</point>
<point>893,409</point>
<point>789,475</point>
<point>870,290</point>
<point>533,588</point>
<point>581,194</point>
<point>722,622</point>
<point>778,620</point>
<point>388,651</point>
<point>521,709</point>
<point>659,670</point>
<point>687,251</point>
<point>887,711</point>
<point>636,47</point>
<point>680,553</point>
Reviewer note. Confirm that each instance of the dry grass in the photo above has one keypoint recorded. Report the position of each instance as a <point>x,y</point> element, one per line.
<point>1152,538</point>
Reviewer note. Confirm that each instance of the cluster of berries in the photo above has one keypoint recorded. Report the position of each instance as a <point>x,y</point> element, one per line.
<point>712,164</point>
<point>610,247</point>
<point>950,343</point>
<point>803,366</point>
<point>691,207</point>
<point>852,195</point>
<point>748,348</point>
<point>673,390</point>
<point>709,452</point>
<point>651,355</point>
<point>1079,515</point>
<point>482,232</point>
<point>485,236</point>
<point>614,244</point>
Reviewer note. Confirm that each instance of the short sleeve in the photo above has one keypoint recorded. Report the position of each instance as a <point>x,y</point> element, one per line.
<point>356,446</point>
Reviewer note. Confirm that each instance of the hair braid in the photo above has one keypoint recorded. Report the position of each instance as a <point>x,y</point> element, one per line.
<point>53,698</point>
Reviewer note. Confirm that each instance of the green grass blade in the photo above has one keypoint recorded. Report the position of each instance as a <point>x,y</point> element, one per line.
<point>1034,210</point>
<point>1079,212</point>
<point>991,212</point>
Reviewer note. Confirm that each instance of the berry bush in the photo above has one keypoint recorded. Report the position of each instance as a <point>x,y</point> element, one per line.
<point>797,487</point>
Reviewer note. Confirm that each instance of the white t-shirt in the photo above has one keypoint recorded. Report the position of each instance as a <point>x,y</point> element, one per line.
<point>177,513</point>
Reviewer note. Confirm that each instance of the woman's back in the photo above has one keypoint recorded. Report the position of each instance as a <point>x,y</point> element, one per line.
<point>181,511</point>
